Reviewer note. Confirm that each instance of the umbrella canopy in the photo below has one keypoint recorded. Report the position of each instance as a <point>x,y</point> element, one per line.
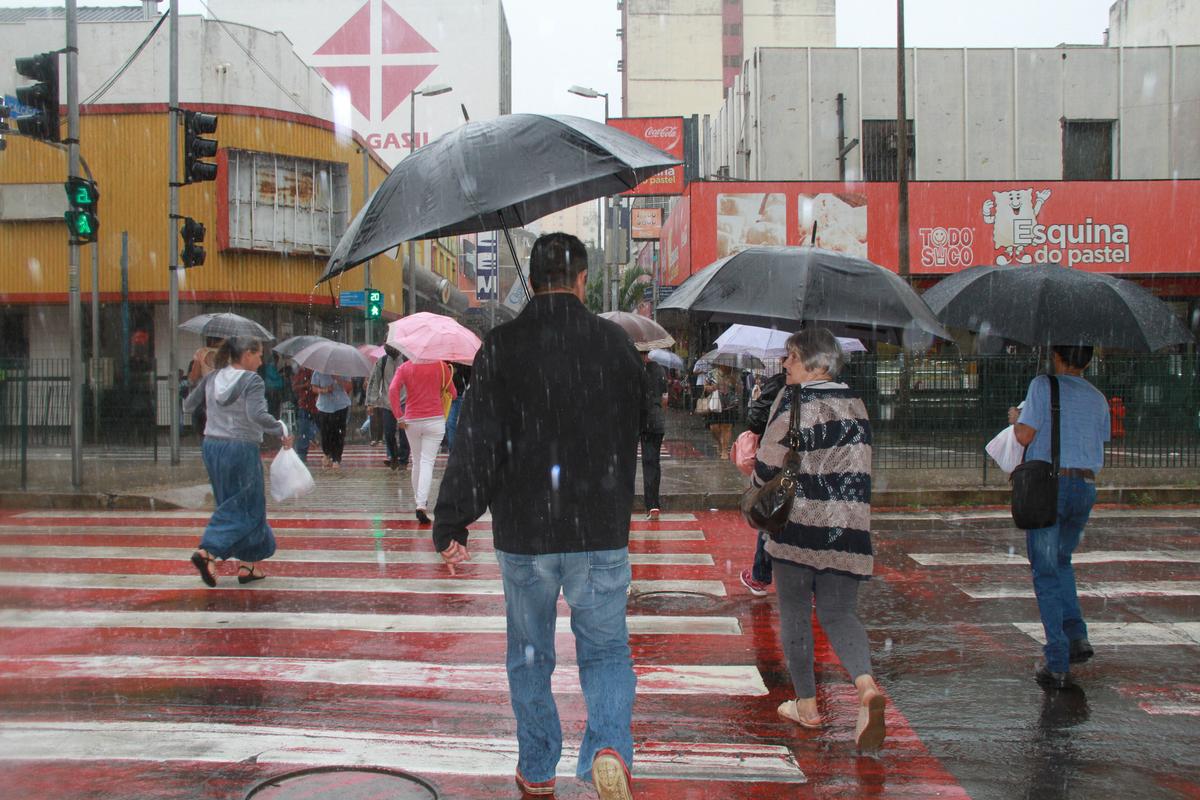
<point>495,174</point>
<point>645,332</point>
<point>226,325</point>
<point>770,343</point>
<point>289,347</point>
<point>334,358</point>
<point>667,359</point>
<point>433,337</point>
<point>371,351</point>
<point>726,358</point>
<point>783,286</point>
<point>1049,305</point>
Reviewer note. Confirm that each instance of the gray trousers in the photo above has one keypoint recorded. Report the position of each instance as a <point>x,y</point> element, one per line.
<point>837,611</point>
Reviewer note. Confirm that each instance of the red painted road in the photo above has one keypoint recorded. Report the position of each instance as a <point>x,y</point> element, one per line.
<point>93,720</point>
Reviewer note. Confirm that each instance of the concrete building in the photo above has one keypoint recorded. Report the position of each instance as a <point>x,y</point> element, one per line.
<point>1138,23</point>
<point>678,57</point>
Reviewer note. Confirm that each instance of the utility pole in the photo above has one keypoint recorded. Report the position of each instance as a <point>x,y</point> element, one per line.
<point>902,140</point>
<point>173,241</point>
<point>76,309</point>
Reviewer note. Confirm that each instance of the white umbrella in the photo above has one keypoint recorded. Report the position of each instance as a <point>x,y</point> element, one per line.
<point>667,359</point>
<point>334,358</point>
<point>766,343</point>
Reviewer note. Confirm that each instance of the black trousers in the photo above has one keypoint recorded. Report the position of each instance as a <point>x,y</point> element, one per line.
<point>333,433</point>
<point>395,441</point>
<point>651,469</point>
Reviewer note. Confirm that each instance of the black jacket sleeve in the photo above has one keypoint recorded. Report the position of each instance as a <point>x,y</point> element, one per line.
<point>760,409</point>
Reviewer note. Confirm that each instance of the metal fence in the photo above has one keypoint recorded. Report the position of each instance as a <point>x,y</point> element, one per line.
<point>926,412</point>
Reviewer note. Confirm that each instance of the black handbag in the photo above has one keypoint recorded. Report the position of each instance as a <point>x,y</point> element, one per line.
<point>766,507</point>
<point>1035,483</point>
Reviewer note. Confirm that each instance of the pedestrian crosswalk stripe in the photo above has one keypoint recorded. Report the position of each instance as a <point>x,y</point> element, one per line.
<point>419,753</point>
<point>276,583</point>
<point>1109,590</point>
<point>318,556</point>
<point>202,517</point>
<point>1097,513</point>
<point>724,681</point>
<point>1128,633</point>
<point>422,534</point>
<point>639,624</point>
<point>1017,558</point>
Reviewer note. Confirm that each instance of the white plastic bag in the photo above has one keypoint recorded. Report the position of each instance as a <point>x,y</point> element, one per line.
<point>289,477</point>
<point>714,403</point>
<point>1005,450</point>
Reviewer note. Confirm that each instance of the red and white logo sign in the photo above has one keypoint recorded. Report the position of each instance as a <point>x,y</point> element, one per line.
<point>665,133</point>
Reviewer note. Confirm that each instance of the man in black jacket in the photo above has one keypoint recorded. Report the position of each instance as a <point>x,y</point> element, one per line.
<point>548,440</point>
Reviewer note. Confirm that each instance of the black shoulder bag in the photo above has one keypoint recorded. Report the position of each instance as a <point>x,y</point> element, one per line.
<point>1035,483</point>
<point>766,508</point>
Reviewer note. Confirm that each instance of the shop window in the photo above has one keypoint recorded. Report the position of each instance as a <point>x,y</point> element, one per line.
<point>879,149</point>
<point>281,204</point>
<point>1088,150</point>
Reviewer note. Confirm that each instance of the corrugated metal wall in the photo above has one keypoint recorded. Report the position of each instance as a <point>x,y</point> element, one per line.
<point>127,156</point>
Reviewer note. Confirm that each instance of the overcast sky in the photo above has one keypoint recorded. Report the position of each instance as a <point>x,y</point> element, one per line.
<point>557,43</point>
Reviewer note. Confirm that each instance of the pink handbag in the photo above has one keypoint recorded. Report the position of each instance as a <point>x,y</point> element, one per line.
<point>744,452</point>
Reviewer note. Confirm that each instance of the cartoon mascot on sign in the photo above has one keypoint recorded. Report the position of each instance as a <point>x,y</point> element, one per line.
<point>1004,212</point>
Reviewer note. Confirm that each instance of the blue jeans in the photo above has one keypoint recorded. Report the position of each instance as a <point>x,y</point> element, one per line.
<point>1049,551</point>
<point>452,420</point>
<point>306,432</point>
<point>594,585</point>
<point>762,569</point>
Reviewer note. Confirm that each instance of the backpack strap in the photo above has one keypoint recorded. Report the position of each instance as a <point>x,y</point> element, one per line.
<point>1055,410</point>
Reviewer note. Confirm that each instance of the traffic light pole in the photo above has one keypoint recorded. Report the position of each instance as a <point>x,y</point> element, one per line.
<point>76,308</point>
<point>172,235</point>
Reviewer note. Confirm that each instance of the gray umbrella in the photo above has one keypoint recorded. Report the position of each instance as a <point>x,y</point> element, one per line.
<point>289,347</point>
<point>334,358</point>
<point>781,286</point>
<point>728,358</point>
<point>492,175</point>
<point>226,325</point>
<point>646,334</point>
<point>1048,305</point>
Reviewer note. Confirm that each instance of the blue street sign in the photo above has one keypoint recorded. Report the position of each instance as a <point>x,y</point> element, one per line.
<point>352,299</point>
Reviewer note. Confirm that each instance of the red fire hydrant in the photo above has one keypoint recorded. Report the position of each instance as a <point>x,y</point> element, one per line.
<point>1116,415</point>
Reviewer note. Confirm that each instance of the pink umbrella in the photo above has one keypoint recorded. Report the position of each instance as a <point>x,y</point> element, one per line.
<point>433,337</point>
<point>371,351</point>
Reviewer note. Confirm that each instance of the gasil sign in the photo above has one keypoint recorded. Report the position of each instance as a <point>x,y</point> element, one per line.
<point>665,133</point>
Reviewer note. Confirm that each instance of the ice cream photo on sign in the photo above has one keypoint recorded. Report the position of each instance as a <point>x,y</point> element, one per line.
<point>841,222</point>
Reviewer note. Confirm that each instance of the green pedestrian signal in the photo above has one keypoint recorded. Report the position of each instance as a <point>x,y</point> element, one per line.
<point>374,304</point>
<point>83,198</point>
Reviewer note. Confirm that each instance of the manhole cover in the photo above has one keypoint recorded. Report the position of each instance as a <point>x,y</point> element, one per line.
<point>344,783</point>
<point>675,601</point>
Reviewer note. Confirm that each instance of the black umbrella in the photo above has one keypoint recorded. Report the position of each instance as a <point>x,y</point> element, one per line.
<point>289,347</point>
<point>1048,305</point>
<point>781,286</point>
<point>493,175</point>
<point>225,325</point>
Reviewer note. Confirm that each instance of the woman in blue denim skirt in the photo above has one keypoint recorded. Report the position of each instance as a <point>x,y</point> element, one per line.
<point>237,418</point>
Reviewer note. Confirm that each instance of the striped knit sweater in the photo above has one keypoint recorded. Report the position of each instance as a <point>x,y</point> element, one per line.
<point>830,524</point>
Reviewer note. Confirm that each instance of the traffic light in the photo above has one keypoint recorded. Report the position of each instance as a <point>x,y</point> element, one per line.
<point>196,148</point>
<point>41,96</point>
<point>193,234</point>
<point>83,198</point>
<point>374,304</point>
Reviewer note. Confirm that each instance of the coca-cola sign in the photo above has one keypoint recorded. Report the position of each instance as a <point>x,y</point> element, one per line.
<point>665,133</point>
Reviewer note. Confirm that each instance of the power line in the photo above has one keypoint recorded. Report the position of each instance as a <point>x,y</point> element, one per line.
<point>108,84</point>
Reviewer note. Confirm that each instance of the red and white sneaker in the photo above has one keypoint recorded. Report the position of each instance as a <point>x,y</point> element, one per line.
<point>653,515</point>
<point>539,789</point>
<point>611,776</point>
<point>757,588</point>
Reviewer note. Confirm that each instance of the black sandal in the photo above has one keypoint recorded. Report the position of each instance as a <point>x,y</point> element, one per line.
<point>201,560</point>
<point>250,575</point>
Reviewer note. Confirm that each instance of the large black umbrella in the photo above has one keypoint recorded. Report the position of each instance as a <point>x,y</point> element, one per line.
<point>493,175</point>
<point>1049,305</point>
<point>781,286</point>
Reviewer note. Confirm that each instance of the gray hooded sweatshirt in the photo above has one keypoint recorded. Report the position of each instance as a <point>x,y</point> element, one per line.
<point>236,400</point>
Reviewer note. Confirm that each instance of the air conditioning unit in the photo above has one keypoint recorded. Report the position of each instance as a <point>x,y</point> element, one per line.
<point>620,66</point>
<point>620,32</point>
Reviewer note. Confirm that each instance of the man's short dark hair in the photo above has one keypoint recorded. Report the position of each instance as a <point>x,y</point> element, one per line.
<point>555,261</point>
<point>1075,356</point>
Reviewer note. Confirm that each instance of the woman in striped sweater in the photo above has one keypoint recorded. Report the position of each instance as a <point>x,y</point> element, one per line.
<point>824,551</point>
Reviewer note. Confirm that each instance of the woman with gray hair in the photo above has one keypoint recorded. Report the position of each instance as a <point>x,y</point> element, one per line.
<point>824,550</point>
<point>237,418</point>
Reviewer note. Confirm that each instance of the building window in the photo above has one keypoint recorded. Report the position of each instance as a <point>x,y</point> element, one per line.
<point>1088,150</point>
<point>734,61</point>
<point>733,29</point>
<point>282,204</point>
<point>879,149</point>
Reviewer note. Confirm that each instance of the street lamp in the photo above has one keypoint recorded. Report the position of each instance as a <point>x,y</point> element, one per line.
<point>584,91</point>
<point>428,91</point>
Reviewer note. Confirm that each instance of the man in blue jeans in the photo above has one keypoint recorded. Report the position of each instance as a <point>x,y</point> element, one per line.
<point>548,440</point>
<point>1083,428</point>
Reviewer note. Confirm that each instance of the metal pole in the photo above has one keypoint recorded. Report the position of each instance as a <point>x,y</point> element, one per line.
<point>902,139</point>
<point>76,309</point>
<point>412,250</point>
<point>172,239</point>
<point>95,343</point>
<point>366,193</point>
